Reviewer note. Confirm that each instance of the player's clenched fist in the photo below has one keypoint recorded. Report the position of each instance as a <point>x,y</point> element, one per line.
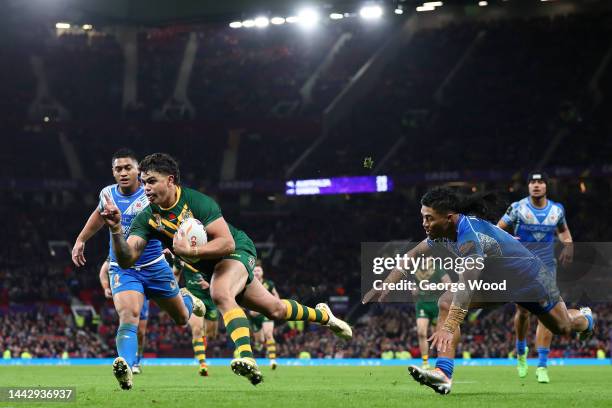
<point>110,213</point>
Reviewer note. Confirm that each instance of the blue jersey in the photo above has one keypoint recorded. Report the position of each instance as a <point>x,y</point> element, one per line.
<point>505,258</point>
<point>130,206</point>
<point>535,227</point>
<point>503,255</point>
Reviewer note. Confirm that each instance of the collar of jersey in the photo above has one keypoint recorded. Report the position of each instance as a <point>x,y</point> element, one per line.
<point>178,197</point>
<point>120,194</point>
<point>533,207</point>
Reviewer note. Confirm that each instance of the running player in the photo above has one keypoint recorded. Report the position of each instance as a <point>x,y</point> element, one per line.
<point>148,275</point>
<point>534,221</point>
<point>452,221</point>
<point>263,328</point>
<point>426,306</point>
<point>144,315</point>
<point>202,329</point>
<point>226,260</point>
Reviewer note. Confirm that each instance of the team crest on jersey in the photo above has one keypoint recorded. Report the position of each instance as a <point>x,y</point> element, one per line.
<point>158,222</point>
<point>185,214</point>
<point>251,262</point>
<point>116,282</point>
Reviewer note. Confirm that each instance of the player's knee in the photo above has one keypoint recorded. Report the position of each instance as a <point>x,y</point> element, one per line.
<point>181,319</point>
<point>128,315</point>
<point>221,297</point>
<point>421,333</point>
<point>196,331</point>
<point>563,329</point>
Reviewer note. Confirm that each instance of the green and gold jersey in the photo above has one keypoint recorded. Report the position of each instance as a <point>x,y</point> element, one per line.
<point>268,284</point>
<point>162,223</point>
<point>431,274</point>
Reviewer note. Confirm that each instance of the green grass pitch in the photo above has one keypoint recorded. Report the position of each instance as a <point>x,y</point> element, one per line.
<point>327,387</point>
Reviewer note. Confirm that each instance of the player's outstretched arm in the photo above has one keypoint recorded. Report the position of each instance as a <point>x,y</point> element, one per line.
<point>443,337</point>
<point>422,248</point>
<point>221,244</point>
<point>92,226</point>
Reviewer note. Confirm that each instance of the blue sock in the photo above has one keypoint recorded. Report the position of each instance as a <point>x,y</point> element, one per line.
<point>188,304</point>
<point>520,347</point>
<point>446,365</point>
<point>543,356</point>
<point>127,342</point>
<point>138,357</point>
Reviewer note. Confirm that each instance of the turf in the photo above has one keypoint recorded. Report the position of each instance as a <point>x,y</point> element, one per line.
<point>327,387</point>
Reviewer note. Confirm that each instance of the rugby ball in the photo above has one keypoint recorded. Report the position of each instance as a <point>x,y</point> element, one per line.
<point>193,230</point>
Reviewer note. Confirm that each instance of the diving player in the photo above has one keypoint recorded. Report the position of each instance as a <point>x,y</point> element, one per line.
<point>534,221</point>
<point>144,312</point>
<point>263,328</point>
<point>453,222</point>
<point>149,275</point>
<point>226,260</point>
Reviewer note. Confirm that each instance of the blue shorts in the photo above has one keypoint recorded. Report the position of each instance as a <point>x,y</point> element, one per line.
<point>144,312</point>
<point>154,281</point>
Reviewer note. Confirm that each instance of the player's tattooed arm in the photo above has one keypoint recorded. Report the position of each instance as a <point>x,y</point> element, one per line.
<point>128,252</point>
<point>473,266</point>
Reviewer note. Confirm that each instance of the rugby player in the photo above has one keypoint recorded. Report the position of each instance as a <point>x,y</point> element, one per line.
<point>456,223</point>
<point>226,260</point>
<point>534,220</point>
<point>148,275</point>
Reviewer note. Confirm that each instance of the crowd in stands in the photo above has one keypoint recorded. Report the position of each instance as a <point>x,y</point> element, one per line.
<point>44,332</point>
<point>384,329</point>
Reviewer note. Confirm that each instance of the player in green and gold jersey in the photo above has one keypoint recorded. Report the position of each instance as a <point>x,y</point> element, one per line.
<point>202,329</point>
<point>226,260</point>
<point>427,305</point>
<point>263,328</point>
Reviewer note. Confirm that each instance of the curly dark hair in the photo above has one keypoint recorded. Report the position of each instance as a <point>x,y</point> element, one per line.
<point>484,205</point>
<point>162,163</point>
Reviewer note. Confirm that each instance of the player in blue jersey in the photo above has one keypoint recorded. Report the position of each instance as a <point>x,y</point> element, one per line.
<point>151,275</point>
<point>534,220</point>
<point>486,254</point>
